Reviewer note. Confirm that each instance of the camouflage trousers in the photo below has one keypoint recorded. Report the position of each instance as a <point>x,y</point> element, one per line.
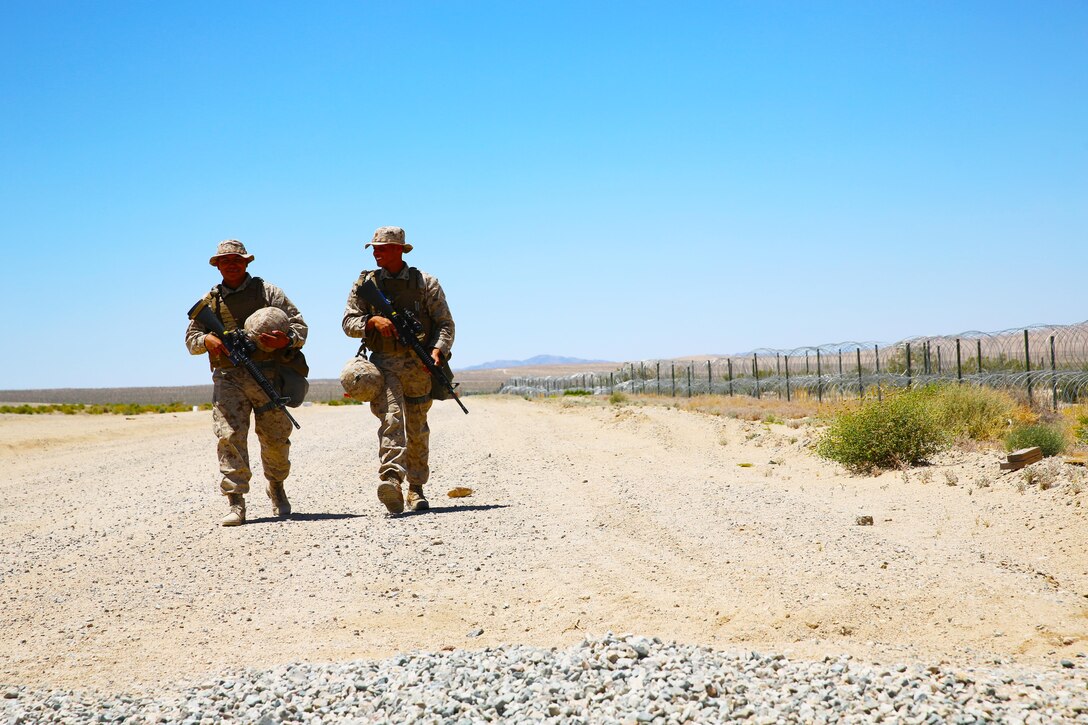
<point>235,395</point>
<point>403,434</point>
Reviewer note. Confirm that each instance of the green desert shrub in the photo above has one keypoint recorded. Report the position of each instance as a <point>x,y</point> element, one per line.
<point>343,401</point>
<point>617,398</point>
<point>1047,437</point>
<point>21,409</point>
<point>903,429</point>
<point>577,391</point>
<point>101,408</point>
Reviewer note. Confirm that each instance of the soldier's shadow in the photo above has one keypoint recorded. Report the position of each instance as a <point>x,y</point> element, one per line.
<point>302,517</point>
<point>456,509</point>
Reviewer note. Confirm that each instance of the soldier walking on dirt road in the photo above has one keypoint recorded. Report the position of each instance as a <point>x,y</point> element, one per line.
<point>403,398</point>
<point>280,333</point>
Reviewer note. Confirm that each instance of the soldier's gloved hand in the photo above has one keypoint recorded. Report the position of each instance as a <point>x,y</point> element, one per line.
<point>276,339</point>
<point>383,325</point>
<point>214,345</point>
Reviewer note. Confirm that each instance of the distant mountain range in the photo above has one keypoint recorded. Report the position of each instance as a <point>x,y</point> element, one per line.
<point>537,360</point>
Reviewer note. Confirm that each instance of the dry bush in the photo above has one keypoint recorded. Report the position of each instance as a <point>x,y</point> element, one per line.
<point>971,412</point>
<point>1075,418</point>
<point>977,413</point>
<point>1043,474</point>
<point>1077,476</point>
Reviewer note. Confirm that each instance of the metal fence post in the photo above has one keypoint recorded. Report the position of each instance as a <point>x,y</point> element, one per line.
<point>787,378</point>
<point>657,376</point>
<point>672,378</point>
<point>876,356</point>
<point>959,366</point>
<point>979,343</point>
<point>819,379</point>
<point>709,379</point>
<point>729,362</point>
<point>1053,376</point>
<point>861,385</point>
<point>1027,364</point>
<point>755,373</point>
<point>908,366</point>
<point>688,371</point>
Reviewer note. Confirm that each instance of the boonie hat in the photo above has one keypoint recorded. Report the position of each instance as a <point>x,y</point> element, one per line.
<point>228,247</point>
<point>389,235</point>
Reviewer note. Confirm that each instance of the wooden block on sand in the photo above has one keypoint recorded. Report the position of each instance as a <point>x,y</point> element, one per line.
<point>1024,454</point>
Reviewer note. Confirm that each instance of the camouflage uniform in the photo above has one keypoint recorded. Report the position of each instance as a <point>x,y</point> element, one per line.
<point>235,395</point>
<point>401,407</point>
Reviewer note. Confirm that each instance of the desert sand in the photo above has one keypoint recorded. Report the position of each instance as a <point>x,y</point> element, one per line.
<point>586,517</point>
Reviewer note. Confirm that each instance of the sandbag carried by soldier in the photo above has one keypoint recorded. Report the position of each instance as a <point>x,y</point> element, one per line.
<point>391,377</point>
<point>245,303</point>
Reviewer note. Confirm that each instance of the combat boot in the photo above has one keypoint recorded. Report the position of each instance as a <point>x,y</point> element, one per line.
<point>390,495</point>
<point>416,500</point>
<point>237,515</point>
<point>281,507</point>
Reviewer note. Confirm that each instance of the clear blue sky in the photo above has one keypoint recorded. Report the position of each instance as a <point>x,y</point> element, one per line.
<point>616,180</point>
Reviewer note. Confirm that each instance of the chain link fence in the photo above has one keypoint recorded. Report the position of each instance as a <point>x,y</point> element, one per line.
<point>1047,363</point>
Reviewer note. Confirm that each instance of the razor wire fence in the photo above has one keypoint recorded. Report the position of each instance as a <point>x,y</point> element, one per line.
<point>1048,364</point>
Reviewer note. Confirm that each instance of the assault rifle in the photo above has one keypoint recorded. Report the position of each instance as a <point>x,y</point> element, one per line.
<point>240,350</point>
<point>407,329</point>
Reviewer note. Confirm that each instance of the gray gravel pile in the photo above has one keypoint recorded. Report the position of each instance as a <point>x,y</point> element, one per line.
<point>610,679</point>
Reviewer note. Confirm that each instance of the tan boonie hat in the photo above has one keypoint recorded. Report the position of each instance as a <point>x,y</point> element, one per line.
<point>389,235</point>
<point>228,247</point>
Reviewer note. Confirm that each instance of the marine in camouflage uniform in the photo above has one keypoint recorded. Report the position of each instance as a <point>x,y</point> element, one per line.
<point>401,406</point>
<point>235,394</point>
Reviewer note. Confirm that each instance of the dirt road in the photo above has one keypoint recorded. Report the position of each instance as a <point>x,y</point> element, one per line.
<point>586,518</point>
